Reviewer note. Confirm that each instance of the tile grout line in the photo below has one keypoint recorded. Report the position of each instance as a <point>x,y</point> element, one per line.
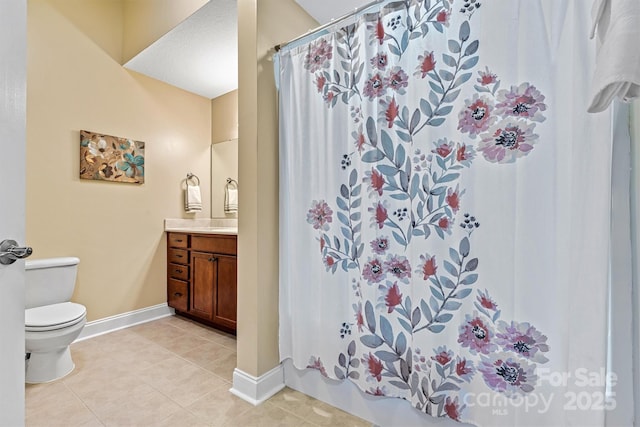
<point>205,369</point>
<point>209,391</point>
<point>335,408</point>
<point>151,341</point>
<point>174,354</point>
<point>100,345</point>
<point>212,330</point>
<point>195,364</point>
<point>83,402</point>
<point>188,331</point>
<point>293,413</point>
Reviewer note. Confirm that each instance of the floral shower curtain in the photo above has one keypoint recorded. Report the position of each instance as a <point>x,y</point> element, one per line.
<point>445,211</point>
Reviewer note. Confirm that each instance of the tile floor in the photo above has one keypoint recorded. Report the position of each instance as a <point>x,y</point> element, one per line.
<point>169,372</point>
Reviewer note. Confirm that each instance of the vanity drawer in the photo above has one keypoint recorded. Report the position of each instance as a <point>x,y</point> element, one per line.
<point>177,294</point>
<point>178,271</point>
<point>178,256</point>
<point>218,244</point>
<point>178,240</point>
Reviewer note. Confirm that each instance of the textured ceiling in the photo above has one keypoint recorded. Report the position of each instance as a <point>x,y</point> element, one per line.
<point>200,55</point>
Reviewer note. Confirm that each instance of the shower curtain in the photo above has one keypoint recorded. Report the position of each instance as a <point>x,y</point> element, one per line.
<point>445,211</point>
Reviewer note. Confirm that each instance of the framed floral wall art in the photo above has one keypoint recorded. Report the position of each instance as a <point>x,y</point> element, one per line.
<point>111,158</point>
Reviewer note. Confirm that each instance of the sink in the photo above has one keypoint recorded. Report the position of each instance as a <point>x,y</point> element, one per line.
<point>203,226</point>
<point>204,230</point>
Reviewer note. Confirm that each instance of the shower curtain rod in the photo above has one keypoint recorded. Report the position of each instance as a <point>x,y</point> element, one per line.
<point>328,24</point>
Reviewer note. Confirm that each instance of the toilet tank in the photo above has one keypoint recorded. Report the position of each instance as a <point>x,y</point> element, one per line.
<point>50,281</point>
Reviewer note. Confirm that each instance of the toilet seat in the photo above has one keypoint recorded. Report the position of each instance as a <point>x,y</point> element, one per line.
<point>54,316</point>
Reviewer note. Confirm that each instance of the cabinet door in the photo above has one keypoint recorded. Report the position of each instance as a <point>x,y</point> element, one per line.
<point>203,277</point>
<point>225,309</point>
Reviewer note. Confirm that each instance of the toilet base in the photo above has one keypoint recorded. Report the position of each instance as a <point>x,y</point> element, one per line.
<point>49,366</point>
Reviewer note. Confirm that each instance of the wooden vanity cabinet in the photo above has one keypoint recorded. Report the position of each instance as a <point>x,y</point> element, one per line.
<point>202,278</point>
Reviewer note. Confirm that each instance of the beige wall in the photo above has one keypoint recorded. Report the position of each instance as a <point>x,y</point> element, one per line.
<point>145,21</point>
<point>224,150</point>
<point>224,117</point>
<point>116,229</point>
<point>260,28</point>
<point>84,14</point>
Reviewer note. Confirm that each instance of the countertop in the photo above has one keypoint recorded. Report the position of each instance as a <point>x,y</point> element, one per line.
<point>202,226</point>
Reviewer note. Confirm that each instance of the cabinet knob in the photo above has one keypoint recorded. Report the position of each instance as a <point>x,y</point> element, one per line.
<point>213,259</point>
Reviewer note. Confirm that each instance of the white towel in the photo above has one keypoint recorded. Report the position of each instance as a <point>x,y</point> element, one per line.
<point>617,72</point>
<point>231,200</point>
<point>192,199</point>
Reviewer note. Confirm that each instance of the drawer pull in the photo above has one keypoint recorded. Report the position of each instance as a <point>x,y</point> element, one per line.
<point>178,270</point>
<point>179,240</point>
<point>177,294</point>
<point>178,256</point>
<point>213,259</point>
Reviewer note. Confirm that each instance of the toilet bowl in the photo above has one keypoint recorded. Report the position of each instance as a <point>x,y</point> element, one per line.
<point>52,322</point>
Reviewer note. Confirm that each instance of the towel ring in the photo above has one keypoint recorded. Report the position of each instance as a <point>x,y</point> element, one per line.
<point>193,178</point>
<point>231,181</point>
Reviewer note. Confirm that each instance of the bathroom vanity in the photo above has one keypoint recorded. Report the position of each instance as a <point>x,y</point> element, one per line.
<point>202,276</point>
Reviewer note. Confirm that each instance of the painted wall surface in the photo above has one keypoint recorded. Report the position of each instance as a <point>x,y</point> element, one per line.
<point>260,27</point>
<point>116,229</point>
<point>224,149</point>
<point>84,14</point>
<point>145,21</point>
<point>224,117</point>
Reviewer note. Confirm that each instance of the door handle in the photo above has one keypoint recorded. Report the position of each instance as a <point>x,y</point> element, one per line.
<point>10,252</point>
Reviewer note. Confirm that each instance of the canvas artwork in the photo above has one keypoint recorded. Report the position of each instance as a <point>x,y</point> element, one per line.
<point>111,158</point>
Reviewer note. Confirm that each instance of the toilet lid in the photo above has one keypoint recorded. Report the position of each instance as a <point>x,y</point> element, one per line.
<point>54,316</point>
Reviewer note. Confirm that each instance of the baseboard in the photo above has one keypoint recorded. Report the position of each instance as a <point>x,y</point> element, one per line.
<point>256,390</point>
<point>124,320</point>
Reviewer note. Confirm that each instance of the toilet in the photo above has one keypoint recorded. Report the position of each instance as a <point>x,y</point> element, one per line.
<point>52,321</point>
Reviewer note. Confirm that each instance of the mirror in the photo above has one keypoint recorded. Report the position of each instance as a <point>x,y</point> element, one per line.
<point>224,164</point>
